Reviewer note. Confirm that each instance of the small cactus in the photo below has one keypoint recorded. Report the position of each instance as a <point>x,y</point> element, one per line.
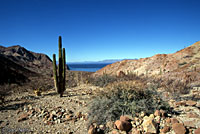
<point>59,73</point>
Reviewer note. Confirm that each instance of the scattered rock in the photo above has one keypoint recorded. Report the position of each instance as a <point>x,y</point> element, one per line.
<point>168,120</point>
<point>157,113</point>
<point>23,117</point>
<point>126,118</point>
<point>174,120</point>
<point>165,129</point>
<point>192,115</point>
<point>149,125</point>
<point>191,103</point>
<point>135,131</point>
<point>110,125</point>
<point>181,103</point>
<point>123,125</point>
<point>191,124</point>
<point>197,131</point>
<point>178,128</point>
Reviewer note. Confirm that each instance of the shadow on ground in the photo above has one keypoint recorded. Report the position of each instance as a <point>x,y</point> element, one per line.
<point>14,106</point>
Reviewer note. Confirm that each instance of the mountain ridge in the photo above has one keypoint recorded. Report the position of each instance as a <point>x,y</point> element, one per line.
<point>18,64</point>
<point>184,61</point>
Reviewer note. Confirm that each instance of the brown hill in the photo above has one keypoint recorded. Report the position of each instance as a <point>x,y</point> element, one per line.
<point>182,63</point>
<point>26,58</point>
<point>17,64</point>
<point>12,72</point>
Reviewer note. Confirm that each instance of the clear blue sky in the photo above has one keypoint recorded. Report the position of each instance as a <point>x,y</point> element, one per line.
<point>95,30</point>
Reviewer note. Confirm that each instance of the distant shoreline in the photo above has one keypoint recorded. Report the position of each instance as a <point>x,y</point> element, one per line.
<point>88,67</point>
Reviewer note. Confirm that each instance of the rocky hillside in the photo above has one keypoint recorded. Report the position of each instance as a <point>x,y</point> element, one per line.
<point>12,72</point>
<point>26,58</point>
<point>17,64</point>
<point>186,60</point>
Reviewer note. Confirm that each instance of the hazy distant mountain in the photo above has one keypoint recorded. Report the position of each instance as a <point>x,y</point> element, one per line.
<point>97,62</point>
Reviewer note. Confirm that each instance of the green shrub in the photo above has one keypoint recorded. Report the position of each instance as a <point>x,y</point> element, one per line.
<point>110,104</point>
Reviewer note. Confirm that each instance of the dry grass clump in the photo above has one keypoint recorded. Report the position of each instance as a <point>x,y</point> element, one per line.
<point>103,80</point>
<point>123,98</point>
<point>106,79</point>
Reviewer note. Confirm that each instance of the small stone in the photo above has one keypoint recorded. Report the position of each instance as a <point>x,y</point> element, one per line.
<point>142,114</point>
<point>174,120</point>
<point>198,104</point>
<point>18,111</point>
<point>151,116</point>
<point>157,119</point>
<point>179,128</point>
<point>126,118</point>
<point>165,129</point>
<point>135,131</point>
<point>23,117</point>
<point>181,103</point>
<point>49,123</point>
<point>78,115</point>
<point>149,125</point>
<point>38,110</point>
<point>92,130</point>
<point>197,131</point>
<point>102,127</point>
<point>191,124</point>
<point>168,120</point>
<point>123,125</point>
<point>163,113</point>
<point>68,117</point>
<point>30,107</point>
<point>110,125</point>
<point>192,115</point>
<point>58,121</point>
<point>115,131</point>
<point>53,112</point>
<point>157,113</point>
<point>62,110</point>
<point>191,103</point>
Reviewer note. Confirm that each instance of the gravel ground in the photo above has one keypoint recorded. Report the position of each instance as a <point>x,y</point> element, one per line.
<point>25,112</point>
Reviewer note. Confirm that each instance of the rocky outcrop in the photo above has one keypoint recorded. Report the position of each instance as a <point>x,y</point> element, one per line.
<point>26,58</point>
<point>17,64</point>
<point>12,72</point>
<point>165,65</point>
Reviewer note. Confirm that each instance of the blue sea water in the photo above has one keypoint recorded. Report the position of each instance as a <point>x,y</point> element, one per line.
<point>90,67</point>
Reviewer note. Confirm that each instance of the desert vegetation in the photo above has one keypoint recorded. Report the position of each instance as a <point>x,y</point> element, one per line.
<point>90,101</point>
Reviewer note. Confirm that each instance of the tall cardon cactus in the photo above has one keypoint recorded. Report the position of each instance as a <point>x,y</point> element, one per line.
<point>59,72</point>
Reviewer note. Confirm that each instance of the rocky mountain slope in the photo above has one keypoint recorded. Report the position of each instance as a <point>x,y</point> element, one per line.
<point>165,65</point>
<point>26,58</point>
<point>17,64</point>
<point>12,72</point>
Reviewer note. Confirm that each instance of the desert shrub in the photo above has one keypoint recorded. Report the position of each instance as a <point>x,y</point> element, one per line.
<point>71,79</point>
<point>176,87</point>
<point>130,77</point>
<point>102,81</point>
<point>106,79</point>
<point>110,104</point>
<point>75,78</point>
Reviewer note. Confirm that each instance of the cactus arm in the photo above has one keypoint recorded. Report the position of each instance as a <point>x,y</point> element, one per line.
<point>64,68</point>
<point>55,72</point>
